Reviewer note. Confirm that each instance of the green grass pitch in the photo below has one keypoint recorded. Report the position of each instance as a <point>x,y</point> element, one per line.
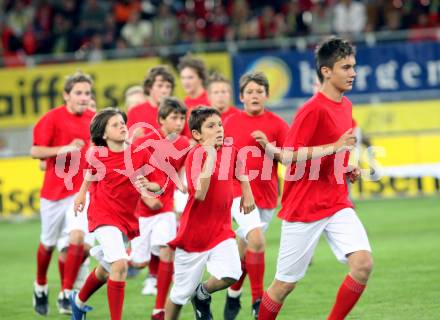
<point>405,284</point>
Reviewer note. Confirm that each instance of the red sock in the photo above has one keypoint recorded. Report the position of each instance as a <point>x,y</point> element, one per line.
<point>348,294</point>
<point>255,267</point>
<point>237,285</point>
<point>61,270</point>
<point>75,254</point>
<point>153,265</point>
<point>115,297</point>
<point>268,308</point>
<point>43,260</point>
<point>90,286</point>
<point>164,277</point>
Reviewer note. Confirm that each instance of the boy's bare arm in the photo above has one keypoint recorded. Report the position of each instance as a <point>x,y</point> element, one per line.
<point>80,198</point>
<point>204,179</point>
<point>44,152</point>
<point>247,202</point>
<point>288,156</point>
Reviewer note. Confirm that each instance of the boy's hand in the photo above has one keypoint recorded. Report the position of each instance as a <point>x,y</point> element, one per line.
<point>247,204</point>
<point>346,141</point>
<point>79,203</point>
<point>260,137</point>
<point>353,173</point>
<point>153,203</point>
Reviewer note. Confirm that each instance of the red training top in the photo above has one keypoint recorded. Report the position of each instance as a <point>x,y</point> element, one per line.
<point>262,170</point>
<point>204,224</point>
<point>59,127</point>
<point>114,197</point>
<point>322,190</point>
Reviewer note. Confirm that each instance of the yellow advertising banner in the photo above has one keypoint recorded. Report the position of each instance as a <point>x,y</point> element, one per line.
<point>27,93</point>
<point>20,183</point>
<point>398,117</point>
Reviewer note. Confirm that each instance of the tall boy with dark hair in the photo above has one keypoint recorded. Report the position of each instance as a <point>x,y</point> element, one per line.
<point>318,203</point>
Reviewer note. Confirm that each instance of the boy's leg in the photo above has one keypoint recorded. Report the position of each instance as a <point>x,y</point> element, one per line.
<point>297,244</point>
<point>172,310</point>
<point>164,230</point>
<point>188,271</point>
<point>52,222</point>
<point>349,242</point>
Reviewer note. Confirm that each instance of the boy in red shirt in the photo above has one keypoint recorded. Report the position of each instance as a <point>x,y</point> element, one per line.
<point>158,84</point>
<point>205,236</point>
<point>245,128</point>
<point>193,76</point>
<point>316,201</point>
<point>62,134</point>
<point>118,173</point>
<point>220,96</point>
<point>157,221</point>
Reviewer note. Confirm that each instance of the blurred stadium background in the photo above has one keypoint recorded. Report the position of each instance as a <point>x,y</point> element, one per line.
<point>396,94</point>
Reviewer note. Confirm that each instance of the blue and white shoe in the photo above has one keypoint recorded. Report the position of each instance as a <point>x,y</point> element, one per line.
<point>78,313</point>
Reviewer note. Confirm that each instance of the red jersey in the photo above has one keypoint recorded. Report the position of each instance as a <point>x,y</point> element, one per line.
<point>201,100</point>
<point>204,224</point>
<point>114,197</point>
<point>190,103</point>
<point>59,127</point>
<point>144,112</point>
<point>228,113</point>
<point>169,156</point>
<point>264,185</point>
<point>322,190</point>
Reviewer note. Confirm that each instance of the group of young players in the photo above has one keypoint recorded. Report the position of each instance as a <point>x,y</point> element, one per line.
<point>213,163</point>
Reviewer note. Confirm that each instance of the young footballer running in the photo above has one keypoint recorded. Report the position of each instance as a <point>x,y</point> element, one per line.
<point>246,128</point>
<point>315,199</point>
<point>118,173</point>
<point>205,237</point>
<point>61,138</point>
<point>157,220</point>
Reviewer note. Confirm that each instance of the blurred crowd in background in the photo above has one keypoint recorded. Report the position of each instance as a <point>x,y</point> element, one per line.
<point>29,27</point>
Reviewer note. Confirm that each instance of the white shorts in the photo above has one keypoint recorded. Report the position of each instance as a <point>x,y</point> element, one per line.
<point>180,200</point>
<point>222,261</point>
<point>78,222</point>
<point>258,218</point>
<point>53,214</point>
<point>155,232</point>
<point>344,233</point>
<point>111,248</point>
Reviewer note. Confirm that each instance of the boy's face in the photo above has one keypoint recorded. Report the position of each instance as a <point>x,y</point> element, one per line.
<point>115,130</point>
<point>190,80</point>
<point>78,99</point>
<point>160,89</point>
<point>211,133</point>
<point>173,123</point>
<point>254,97</point>
<point>342,75</point>
<point>219,95</point>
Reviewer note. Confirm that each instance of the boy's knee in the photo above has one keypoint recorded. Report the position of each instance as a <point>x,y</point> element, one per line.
<point>229,281</point>
<point>361,267</point>
<point>76,237</point>
<point>279,290</point>
<point>255,239</point>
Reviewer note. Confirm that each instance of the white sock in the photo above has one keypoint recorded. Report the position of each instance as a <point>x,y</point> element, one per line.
<point>78,301</point>
<point>41,288</point>
<point>156,311</point>
<point>201,292</point>
<point>234,293</point>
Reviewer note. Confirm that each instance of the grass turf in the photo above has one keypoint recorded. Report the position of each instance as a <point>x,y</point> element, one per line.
<point>405,283</point>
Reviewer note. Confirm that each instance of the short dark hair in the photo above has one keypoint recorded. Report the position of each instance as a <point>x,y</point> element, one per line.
<point>189,61</point>
<point>170,105</point>
<point>75,78</point>
<point>216,77</point>
<point>99,122</point>
<point>329,52</point>
<point>257,77</point>
<point>198,117</point>
<point>155,72</point>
